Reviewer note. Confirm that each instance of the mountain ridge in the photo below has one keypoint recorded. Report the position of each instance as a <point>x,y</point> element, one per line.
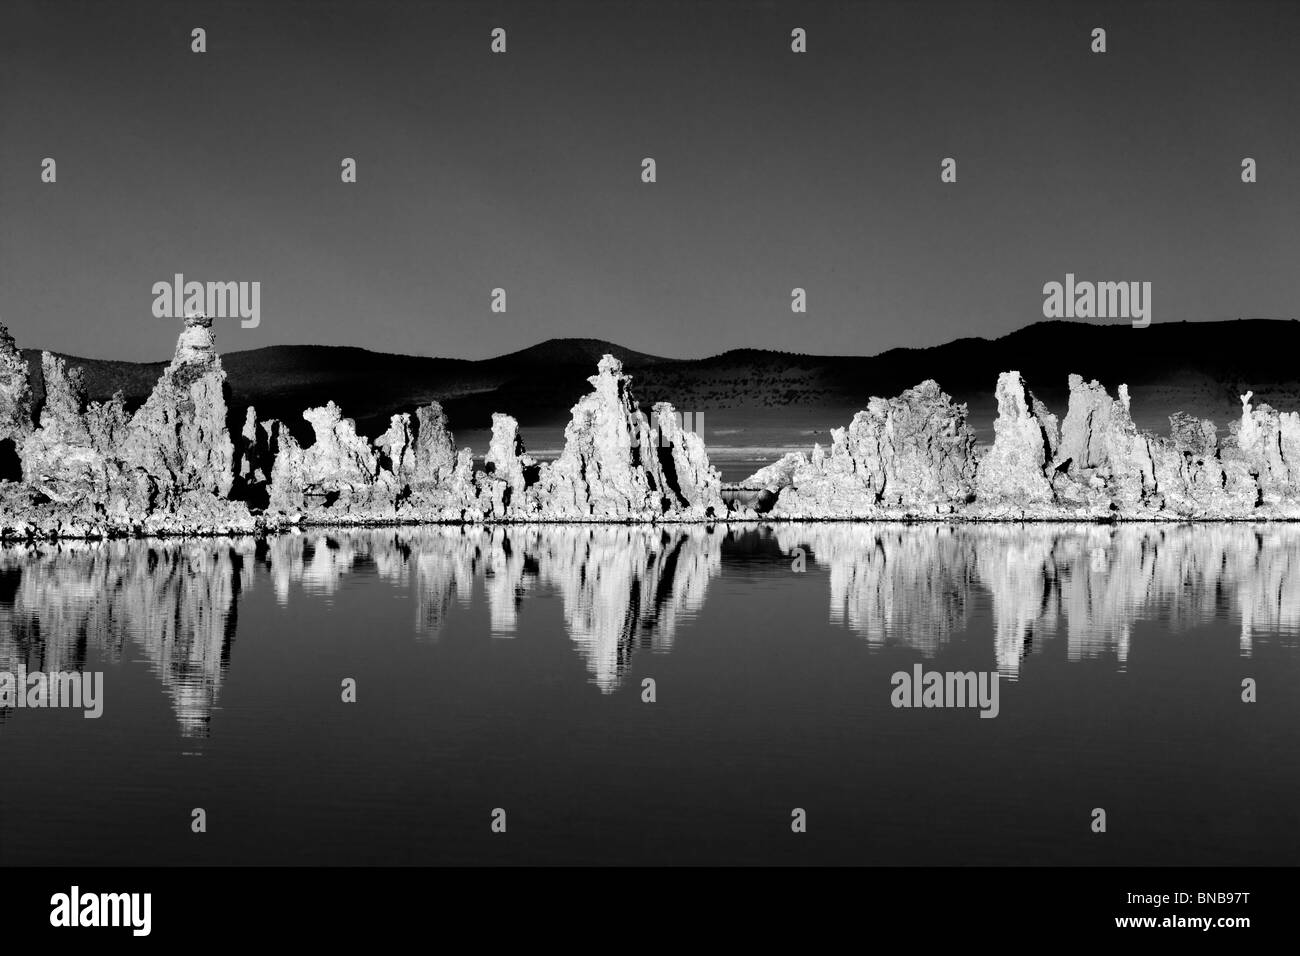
<point>1194,366</point>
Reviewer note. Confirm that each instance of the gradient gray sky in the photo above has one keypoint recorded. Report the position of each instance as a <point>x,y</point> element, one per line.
<point>523,171</point>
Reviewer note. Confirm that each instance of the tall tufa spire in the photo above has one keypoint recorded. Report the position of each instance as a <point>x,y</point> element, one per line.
<point>197,343</point>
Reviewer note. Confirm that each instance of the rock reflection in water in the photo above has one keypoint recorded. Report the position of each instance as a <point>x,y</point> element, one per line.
<point>914,584</point>
<point>177,600</point>
<point>627,588</point>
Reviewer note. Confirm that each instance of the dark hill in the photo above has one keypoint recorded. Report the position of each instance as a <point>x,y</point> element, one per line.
<point>1200,367</point>
<point>584,352</point>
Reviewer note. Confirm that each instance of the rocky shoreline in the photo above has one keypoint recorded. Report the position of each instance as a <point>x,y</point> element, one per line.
<point>183,464</point>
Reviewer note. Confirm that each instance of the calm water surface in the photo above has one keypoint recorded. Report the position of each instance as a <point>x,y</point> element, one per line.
<point>504,668</point>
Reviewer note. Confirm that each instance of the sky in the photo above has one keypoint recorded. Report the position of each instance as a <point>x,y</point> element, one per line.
<point>522,170</point>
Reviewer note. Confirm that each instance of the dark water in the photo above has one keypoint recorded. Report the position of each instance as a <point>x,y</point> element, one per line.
<point>503,669</point>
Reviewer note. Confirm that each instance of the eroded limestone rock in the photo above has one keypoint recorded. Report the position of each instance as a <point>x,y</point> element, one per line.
<point>15,392</point>
<point>179,436</point>
<point>913,453</point>
<point>1267,442</point>
<point>612,468</point>
<point>601,472</point>
<point>61,460</point>
<point>1014,470</point>
<point>916,448</point>
<point>436,457</point>
<point>1102,451</point>
<point>168,468</point>
<point>507,461</point>
<point>339,470</point>
<point>684,465</point>
<point>397,447</point>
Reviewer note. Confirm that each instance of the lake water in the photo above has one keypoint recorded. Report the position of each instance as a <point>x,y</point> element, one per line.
<point>504,668</point>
